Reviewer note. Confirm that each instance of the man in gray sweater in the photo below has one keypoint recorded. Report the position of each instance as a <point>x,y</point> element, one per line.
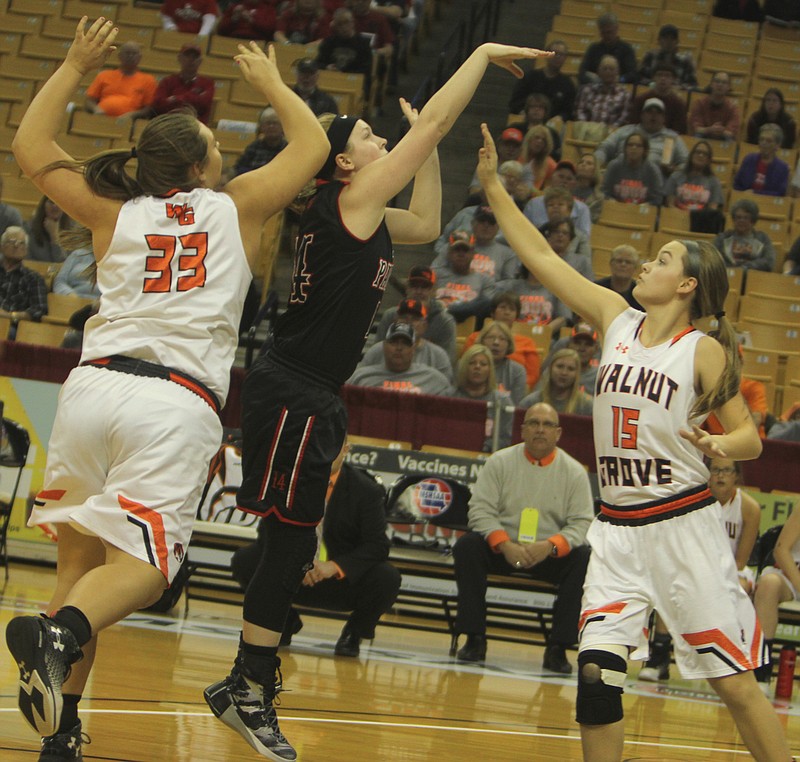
<point>530,509</point>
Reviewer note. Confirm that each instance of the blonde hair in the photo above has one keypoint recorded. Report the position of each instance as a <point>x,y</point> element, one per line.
<point>506,331</point>
<point>463,367</point>
<point>575,392</point>
<point>544,133</point>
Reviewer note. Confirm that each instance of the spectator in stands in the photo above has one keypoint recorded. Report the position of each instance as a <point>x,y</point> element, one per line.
<point>376,28</point>
<point>509,148</point>
<point>549,81</point>
<point>778,584</point>
<point>632,178</point>
<point>696,186</point>
<point>23,294</point>
<point>77,274</point>
<point>560,385</point>
<point>44,230</point>
<point>764,172</point>
<point>506,309</point>
<point>343,49</point>
<point>395,12</point>
<point>742,10</point>
<point>9,215</point>
<point>564,177</point>
<point>187,87</point>
<point>563,240</point>
<point>491,258</point>
<point>415,313</point>
<point>510,374</point>
<point>537,112</point>
<point>351,570</point>
<point>125,91</point>
<point>189,16</point>
<point>302,22</point>
<point>463,292</point>
<point>268,144</point>
<point>441,328</point>
<point>609,44</point>
<point>306,87</point>
<point>558,204</point>
<point>715,115</point>
<point>511,174</point>
<point>772,111</point>
<point>667,51</point>
<point>663,88</point>
<point>537,305</point>
<point>667,150</point>
<point>475,380</point>
<point>744,246</point>
<point>585,341</point>
<point>788,428</point>
<point>507,536</point>
<point>537,162</point>
<point>398,371</point>
<point>604,100</point>
<point>624,264</point>
<point>249,20</point>
<point>587,187</point>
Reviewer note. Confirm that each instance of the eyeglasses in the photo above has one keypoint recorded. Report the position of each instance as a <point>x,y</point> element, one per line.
<point>540,424</point>
<point>727,471</point>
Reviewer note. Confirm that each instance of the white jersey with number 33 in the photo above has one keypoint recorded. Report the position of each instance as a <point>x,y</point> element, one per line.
<point>173,284</point>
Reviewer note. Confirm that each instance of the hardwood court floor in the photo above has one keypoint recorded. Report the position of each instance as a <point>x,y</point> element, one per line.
<point>402,700</point>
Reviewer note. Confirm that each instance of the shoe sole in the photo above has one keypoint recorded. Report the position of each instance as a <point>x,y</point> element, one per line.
<point>231,718</point>
<point>652,677</point>
<point>39,701</point>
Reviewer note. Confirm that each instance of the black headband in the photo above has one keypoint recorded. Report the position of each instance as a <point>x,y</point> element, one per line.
<point>338,134</point>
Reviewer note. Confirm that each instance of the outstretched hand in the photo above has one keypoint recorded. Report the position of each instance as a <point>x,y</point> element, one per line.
<point>487,157</point>
<point>409,112</point>
<point>707,443</point>
<point>91,47</point>
<point>505,56</point>
<point>260,69</point>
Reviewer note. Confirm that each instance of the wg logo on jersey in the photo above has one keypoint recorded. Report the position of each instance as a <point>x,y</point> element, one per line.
<point>181,212</point>
<point>431,498</point>
<point>179,552</point>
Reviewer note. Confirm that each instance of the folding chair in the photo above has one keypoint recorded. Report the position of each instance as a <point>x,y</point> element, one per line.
<point>14,445</point>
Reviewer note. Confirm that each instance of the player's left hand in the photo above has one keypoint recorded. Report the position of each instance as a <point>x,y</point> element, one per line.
<point>487,157</point>
<point>707,443</point>
<point>91,46</point>
<point>409,112</point>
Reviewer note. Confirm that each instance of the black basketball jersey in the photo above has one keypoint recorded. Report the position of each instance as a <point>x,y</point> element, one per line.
<point>337,287</point>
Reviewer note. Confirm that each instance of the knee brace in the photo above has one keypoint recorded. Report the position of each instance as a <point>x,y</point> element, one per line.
<point>601,676</point>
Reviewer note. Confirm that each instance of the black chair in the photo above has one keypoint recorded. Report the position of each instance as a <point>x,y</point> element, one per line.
<point>764,549</point>
<point>14,445</point>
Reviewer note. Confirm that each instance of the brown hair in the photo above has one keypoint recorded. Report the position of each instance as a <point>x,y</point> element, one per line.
<point>704,263</point>
<point>575,393</point>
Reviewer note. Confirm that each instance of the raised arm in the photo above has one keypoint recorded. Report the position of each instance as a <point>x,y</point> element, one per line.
<point>598,305</point>
<point>35,145</point>
<point>267,190</point>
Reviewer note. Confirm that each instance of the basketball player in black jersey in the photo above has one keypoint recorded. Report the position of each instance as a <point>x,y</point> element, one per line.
<point>294,421</point>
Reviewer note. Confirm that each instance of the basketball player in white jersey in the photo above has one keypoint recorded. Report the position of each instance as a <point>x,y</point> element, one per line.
<point>657,380</point>
<point>137,421</point>
<point>778,584</point>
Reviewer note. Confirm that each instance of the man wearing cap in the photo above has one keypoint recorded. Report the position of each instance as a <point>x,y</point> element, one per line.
<point>124,91</point>
<point>549,81</point>
<point>530,509</point>
<point>248,20</point>
<point>564,176</point>
<point>604,100</point>
<point>464,293</point>
<point>415,313</point>
<point>667,51</point>
<point>187,87</point>
<point>398,371</point>
<point>269,142</point>
<point>189,16</point>
<point>715,115</point>
<point>441,326</point>
<point>667,149</point>
<point>317,100</point>
<point>663,88</point>
<point>609,44</point>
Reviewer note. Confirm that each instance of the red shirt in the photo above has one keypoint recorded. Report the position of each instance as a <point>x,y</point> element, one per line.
<point>188,14</point>
<point>172,92</point>
<point>248,22</point>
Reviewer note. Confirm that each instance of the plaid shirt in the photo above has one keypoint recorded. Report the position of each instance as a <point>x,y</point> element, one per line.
<point>23,290</point>
<point>597,103</point>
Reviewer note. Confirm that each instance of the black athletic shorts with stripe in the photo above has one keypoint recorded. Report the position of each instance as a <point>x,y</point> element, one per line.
<point>293,427</point>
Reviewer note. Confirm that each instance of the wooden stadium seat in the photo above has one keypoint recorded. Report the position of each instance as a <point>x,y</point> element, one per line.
<point>82,146</point>
<point>781,50</point>
<point>268,250</point>
<point>453,451</point>
<point>542,336</point>
<point>36,7</point>
<point>98,126</point>
<point>17,68</point>
<point>287,56</point>
<point>9,43</point>
<point>130,15</point>
<point>45,334</point>
<point>638,29</point>
<point>692,6</point>
<point>631,216</point>
<point>574,25</point>
<point>159,62</point>
<point>763,309</point>
<point>346,89</point>
<point>465,327</point>
<point>244,94</point>
<point>44,48</point>
<point>740,84</point>
<point>61,307</point>
<point>733,63</point>
<point>75,9</point>
<point>790,90</point>
<point>601,263</point>
<point>724,152</point>
<point>172,41</point>
<point>733,27</point>
<point>782,338</point>
<point>584,8</point>
<point>607,237</point>
<point>769,207</point>
<point>48,270</point>
<point>673,220</point>
<point>790,397</point>
<point>232,141</point>
<point>223,47</point>
<point>20,190</point>
<point>761,364</point>
<point>777,70</point>
<point>392,444</point>
<point>731,305</point>
<point>12,23</point>
<point>724,173</point>
<point>222,70</point>
<point>727,43</point>
<point>236,112</point>
<point>792,370</point>
<point>684,20</point>
<point>5,324</point>
<point>772,285</point>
